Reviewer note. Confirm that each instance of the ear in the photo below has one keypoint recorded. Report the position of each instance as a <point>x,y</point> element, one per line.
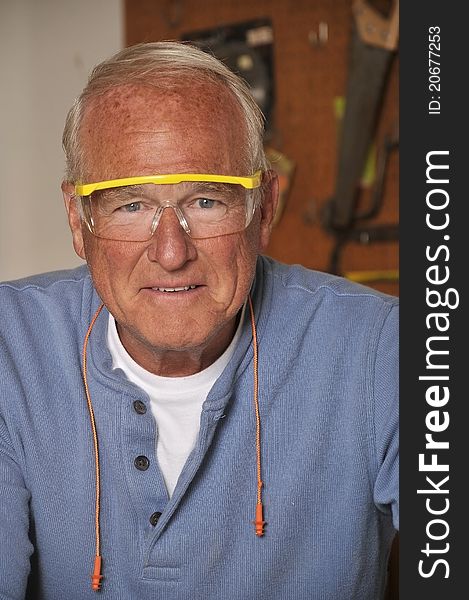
<point>268,207</point>
<point>74,219</point>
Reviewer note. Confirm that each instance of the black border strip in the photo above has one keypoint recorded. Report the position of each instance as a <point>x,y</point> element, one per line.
<point>429,255</point>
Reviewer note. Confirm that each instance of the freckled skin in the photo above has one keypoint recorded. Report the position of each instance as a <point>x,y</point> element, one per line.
<point>144,130</point>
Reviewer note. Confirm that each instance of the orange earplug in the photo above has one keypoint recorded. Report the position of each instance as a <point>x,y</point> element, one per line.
<point>96,577</point>
<point>259,522</point>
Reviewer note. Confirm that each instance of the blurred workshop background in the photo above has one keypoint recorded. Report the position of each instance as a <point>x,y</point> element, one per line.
<point>325,74</point>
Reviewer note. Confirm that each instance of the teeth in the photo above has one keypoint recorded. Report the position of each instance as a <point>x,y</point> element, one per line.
<point>176,289</point>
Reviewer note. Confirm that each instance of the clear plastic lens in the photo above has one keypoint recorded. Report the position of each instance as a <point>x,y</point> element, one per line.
<point>204,210</point>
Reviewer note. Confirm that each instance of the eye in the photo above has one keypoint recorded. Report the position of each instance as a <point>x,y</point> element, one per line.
<point>202,207</point>
<point>131,208</point>
<point>206,203</point>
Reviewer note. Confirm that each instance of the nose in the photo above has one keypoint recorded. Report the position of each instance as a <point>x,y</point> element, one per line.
<point>170,246</point>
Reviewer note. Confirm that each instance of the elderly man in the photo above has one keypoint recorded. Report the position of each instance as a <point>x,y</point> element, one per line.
<point>183,418</point>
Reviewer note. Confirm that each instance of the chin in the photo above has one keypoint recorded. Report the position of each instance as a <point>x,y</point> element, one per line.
<point>178,339</point>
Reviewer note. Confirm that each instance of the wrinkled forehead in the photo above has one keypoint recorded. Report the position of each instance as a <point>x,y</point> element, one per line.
<point>145,129</point>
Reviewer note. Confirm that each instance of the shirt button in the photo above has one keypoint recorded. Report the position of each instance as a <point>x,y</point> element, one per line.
<point>154,518</point>
<point>142,463</point>
<point>140,407</point>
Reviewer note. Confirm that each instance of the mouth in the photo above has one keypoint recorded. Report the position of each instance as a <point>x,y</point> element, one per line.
<point>172,290</point>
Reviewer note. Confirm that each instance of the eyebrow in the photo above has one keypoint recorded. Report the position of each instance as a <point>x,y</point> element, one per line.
<point>123,190</point>
<point>204,186</point>
<point>186,186</point>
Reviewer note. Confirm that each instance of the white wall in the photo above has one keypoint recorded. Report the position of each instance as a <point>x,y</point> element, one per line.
<point>47,48</point>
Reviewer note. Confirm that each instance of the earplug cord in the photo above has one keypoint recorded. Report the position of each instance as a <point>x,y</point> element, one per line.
<point>96,577</point>
<point>259,522</point>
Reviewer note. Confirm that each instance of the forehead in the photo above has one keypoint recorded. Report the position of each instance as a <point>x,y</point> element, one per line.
<point>143,130</point>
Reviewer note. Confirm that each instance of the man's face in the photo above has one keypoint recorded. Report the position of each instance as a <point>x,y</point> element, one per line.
<point>195,128</point>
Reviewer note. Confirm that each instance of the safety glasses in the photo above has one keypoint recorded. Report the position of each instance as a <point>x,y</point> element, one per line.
<point>206,205</point>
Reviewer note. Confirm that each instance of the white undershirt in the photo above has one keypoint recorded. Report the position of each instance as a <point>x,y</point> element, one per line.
<point>176,402</point>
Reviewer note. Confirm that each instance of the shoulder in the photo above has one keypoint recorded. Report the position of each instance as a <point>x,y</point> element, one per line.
<point>300,287</point>
<point>45,281</point>
<point>325,316</point>
<point>44,302</point>
<point>56,286</point>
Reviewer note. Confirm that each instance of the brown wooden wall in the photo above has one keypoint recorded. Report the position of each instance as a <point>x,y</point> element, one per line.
<point>307,80</point>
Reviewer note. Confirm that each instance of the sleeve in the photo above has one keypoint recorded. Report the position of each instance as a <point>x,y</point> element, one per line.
<point>386,418</point>
<point>15,546</point>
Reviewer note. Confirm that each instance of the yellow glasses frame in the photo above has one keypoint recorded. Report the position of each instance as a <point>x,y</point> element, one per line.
<point>85,189</point>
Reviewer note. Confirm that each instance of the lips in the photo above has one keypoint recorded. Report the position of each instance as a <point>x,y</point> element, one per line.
<point>184,288</point>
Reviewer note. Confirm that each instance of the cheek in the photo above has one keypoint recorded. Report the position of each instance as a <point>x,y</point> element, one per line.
<point>232,261</point>
<point>110,264</point>
<point>247,250</point>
